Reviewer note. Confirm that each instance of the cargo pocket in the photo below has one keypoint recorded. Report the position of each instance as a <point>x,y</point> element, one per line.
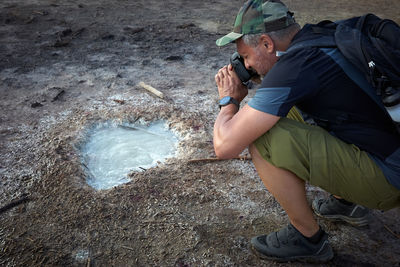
<point>320,164</point>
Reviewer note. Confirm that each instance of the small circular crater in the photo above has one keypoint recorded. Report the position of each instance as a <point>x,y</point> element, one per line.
<point>113,150</point>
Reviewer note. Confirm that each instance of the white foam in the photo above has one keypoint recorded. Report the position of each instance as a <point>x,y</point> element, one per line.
<point>113,151</point>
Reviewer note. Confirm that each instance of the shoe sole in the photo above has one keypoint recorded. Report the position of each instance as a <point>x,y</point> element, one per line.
<point>305,259</point>
<point>363,221</point>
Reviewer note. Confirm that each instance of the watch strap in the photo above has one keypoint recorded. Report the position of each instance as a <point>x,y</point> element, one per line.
<point>231,101</point>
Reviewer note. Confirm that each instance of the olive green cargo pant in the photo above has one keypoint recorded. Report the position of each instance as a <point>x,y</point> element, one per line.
<point>325,161</point>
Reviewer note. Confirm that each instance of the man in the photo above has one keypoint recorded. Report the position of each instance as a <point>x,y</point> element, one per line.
<point>356,159</point>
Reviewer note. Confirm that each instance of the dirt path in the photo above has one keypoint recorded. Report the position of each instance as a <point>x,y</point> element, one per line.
<point>65,66</point>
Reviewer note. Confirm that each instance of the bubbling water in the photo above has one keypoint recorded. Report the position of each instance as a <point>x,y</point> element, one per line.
<point>113,151</point>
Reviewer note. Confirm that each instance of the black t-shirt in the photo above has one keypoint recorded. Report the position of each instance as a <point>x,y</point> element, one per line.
<point>313,79</point>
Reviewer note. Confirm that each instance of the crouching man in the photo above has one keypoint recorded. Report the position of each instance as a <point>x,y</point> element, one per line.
<point>356,159</point>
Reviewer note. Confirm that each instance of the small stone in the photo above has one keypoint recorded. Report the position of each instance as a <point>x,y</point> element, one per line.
<point>36,105</point>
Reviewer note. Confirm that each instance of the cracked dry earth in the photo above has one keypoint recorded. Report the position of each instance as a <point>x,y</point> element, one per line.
<point>66,66</point>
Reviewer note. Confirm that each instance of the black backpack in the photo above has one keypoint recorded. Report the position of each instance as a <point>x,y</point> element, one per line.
<point>370,44</point>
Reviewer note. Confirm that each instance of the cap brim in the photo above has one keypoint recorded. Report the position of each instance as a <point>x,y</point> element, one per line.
<point>229,38</point>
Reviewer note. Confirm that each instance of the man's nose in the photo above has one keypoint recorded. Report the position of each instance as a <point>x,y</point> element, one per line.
<point>246,64</point>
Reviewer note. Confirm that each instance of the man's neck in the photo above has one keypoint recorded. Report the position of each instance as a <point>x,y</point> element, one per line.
<point>283,46</point>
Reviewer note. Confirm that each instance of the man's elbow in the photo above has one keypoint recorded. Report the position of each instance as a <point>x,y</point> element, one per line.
<point>222,152</point>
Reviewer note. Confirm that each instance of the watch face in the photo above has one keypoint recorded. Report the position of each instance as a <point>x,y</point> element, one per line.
<point>225,100</point>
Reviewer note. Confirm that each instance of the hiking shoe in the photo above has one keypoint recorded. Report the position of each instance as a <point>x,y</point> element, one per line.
<point>331,208</point>
<point>289,244</point>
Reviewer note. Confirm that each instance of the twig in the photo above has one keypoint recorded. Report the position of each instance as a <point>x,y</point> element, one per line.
<point>39,13</point>
<point>387,228</point>
<point>216,159</point>
<point>393,233</point>
<point>128,248</point>
<point>152,90</point>
<point>75,34</point>
<point>121,102</point>
<point>58,96</point>
<point>126,127</point>
<point>14,203</point>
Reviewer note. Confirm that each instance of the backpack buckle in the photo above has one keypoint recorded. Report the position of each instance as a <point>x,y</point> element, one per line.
<point>371,64</point>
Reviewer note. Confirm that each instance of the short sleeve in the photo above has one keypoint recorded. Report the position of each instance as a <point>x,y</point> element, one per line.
<point>289,82</point>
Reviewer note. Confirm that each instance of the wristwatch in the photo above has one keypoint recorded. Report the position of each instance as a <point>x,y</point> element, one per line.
<point>226,100</point>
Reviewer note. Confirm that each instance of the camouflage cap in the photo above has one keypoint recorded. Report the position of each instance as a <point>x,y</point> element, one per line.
<point>258,16</point>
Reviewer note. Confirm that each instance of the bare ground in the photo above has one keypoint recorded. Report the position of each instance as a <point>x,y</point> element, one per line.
<point>65,66</point>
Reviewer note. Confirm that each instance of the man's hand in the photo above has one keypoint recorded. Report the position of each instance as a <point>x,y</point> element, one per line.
<point>229,84</point>
<point>234,129</point>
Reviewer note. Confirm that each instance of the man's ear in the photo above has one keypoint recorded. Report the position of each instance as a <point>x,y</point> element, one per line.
<point>267,41</point>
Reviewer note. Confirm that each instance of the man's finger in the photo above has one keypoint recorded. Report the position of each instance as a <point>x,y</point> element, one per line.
<point>225,71</point>
<point>221,72</point>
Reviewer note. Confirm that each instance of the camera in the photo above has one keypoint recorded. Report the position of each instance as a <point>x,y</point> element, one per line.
<point>244,74</point>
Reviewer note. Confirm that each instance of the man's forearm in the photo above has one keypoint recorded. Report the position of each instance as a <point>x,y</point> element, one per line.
<point>222,130</point>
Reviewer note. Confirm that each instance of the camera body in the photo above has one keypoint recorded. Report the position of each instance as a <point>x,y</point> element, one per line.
<point>244,74</point>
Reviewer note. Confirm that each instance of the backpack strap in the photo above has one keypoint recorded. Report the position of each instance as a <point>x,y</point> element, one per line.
<point>326,33</point>
<point>326,41</point>
<point>354,74</point>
